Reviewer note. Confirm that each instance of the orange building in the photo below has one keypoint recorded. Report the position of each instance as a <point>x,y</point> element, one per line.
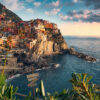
<point>13,41</point>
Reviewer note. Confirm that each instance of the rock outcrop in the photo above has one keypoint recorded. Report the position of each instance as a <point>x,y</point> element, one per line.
<point>81,55</point>
<point>46,45</point>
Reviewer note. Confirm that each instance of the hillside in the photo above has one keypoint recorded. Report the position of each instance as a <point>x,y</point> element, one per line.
<point>9,14</point>
<point>40,36</point>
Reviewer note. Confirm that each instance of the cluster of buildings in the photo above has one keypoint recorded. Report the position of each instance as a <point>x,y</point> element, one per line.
<point>24,33</point>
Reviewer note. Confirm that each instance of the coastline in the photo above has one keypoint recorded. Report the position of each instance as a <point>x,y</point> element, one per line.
<point>43,64</point>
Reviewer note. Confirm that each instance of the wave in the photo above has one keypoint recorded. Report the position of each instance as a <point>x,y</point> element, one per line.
<point>98,60</point>
<point>52,66</point>
<point>12,77</point>
<point>56,65</point>
<point>43,68</point>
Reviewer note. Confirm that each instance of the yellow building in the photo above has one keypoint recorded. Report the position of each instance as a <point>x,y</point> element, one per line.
<point>1,41</point>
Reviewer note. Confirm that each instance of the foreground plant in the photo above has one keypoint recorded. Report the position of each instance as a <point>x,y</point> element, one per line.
<point>64,95</point>
<point>83,88</point>
<point>6,92</point>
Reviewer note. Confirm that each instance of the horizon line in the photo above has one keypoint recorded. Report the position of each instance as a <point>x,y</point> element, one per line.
<point>81,36</point>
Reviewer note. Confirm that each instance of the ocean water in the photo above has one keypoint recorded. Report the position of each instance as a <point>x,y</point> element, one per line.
<point>58,79</point>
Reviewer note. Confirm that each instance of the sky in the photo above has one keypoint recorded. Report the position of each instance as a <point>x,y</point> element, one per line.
<point>73,17</point>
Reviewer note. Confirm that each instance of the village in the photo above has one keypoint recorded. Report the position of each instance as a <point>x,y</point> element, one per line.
<point>23,34</point>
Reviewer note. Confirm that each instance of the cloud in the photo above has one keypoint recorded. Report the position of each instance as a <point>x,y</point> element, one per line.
<point>92,18</point>
<point>29,1</point>
<point>37,4</point>
<point>56,4</point>
<point>85,15</point>
<point>80,29</point>
<point>13,4</point>
<point>52,12</point>
<point>63,17</point>
<point>81,14</point>
<point>94,3</point>
<point>30,10</point>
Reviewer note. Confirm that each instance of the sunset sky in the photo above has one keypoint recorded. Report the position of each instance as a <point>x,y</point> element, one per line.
<point>74,17</point>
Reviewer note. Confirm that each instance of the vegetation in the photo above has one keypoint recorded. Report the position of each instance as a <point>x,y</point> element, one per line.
<point>6,92</point>
<point>9,14</point>
<point>82,89</point>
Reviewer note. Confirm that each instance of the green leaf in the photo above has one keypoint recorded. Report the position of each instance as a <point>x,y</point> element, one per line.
<point>29,96</point>
<point>2,80</point>
<point>89,78</point>
<point>11,92</point>
<point>83,97</point>
<point>15,90</point>
<point>42,89</point>
<point>79,77</point>
<point>84,77</point>
<point>37,90</point>
<point>48,94</point>
<point>64,92</point>
<point>3,89</point>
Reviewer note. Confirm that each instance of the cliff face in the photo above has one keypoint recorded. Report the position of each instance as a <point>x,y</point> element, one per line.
<point>51,43</point>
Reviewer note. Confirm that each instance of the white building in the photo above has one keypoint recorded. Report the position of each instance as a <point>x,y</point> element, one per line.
<point>4,38</point>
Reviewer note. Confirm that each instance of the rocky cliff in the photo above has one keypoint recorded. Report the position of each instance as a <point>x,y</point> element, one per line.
<point>48,44</point>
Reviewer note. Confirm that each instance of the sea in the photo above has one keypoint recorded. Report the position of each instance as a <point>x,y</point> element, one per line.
<point>57,79</point>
